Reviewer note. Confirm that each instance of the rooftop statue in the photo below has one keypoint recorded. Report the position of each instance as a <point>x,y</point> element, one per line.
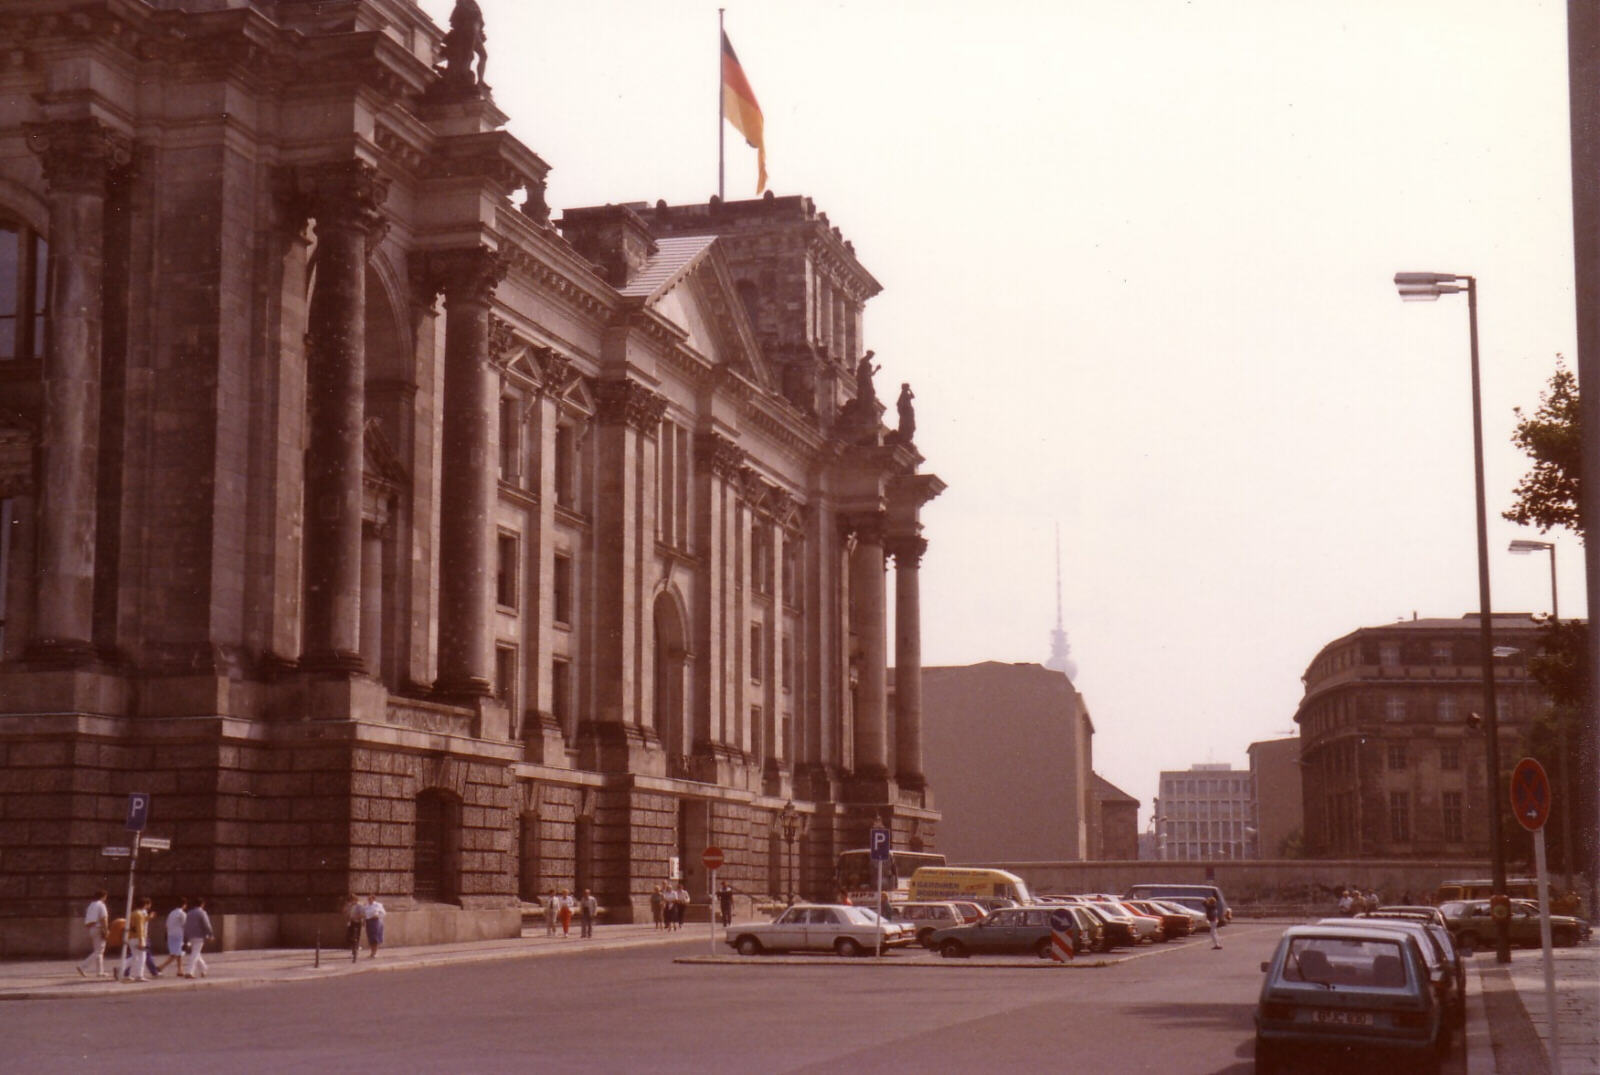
<point>866,395</point>
<point>908,414</point>
<point>464,41</point>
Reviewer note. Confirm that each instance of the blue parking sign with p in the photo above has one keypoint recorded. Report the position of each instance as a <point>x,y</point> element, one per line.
<point>138,811</point>
<point>878,845</point>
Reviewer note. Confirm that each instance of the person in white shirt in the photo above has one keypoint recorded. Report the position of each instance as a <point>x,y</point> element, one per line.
<point>196,932</point>
<point>374,913</point>
<point>175,919</point>
<point>95,919</point>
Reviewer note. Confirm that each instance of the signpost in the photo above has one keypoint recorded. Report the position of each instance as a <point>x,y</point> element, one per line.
<point>711,859</point>
<point>1061,924</point>
<point>878,851</point>
<point>1531,802</point>
<point>138,817</point>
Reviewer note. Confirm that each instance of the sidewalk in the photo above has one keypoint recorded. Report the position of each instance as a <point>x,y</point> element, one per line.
<point>57,980</point>
<point>1517,1016</point>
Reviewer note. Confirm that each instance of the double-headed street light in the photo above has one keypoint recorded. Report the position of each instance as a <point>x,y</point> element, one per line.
<point>1522,547</point>
<point>1427,287</point>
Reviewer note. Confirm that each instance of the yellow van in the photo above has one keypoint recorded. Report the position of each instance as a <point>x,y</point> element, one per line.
<point>965,883</point>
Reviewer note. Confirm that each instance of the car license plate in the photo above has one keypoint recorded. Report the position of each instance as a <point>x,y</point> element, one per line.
<point>1335,1017</point>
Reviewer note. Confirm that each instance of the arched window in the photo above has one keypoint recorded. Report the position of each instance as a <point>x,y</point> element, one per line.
<point>436,861</point>
<point>24,292</point>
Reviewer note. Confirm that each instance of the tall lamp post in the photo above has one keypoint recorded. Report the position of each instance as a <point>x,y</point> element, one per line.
<point>1522,547</point>
<point>789,819</point>
<point>1427,287</point>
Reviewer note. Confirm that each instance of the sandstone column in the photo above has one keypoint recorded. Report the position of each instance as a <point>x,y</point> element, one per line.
<point>344,197</point>
<point>78,156</point>
<point>907,552</point>
<point>372,597</point>
<point>869,624</point>
<point>469,483</point>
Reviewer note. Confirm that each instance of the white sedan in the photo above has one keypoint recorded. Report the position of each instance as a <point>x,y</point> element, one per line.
<point>820,927</point>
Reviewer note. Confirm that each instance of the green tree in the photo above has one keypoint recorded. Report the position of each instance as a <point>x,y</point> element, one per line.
<point>1547,495</point>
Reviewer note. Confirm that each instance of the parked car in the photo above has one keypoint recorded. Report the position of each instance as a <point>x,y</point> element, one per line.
<point>1473,926</point>
<point>1008,931</point>
<point>1421,910</point>
<point>839,928</point>
<point>1197,915</point>
<point>1114,932</point>
<point>1349,988</point>
<point>925,916</point>
<point>970,912</point>
<point>1188,895</point>
<point>1439,949</point>
<point>1173,923</point>
<point>1145,927</point>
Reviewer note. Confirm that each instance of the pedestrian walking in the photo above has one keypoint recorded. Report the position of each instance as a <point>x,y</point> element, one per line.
<point>196,932</point>
<point>175,920</point>
<point>680,905</point>
<point>670,910</point>
<point>138,938</point>
<point>725,903</point>
<point>355,922</point>
<point>658,904</point>
<point>564,911</point>
<point>552,913</point>
<point>1214,920</point>
<point>373,913</point>
<point>96,922</point>
<point>588,907</point>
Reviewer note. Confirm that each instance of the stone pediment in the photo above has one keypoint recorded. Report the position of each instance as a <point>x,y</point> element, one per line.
<point>687,284</point>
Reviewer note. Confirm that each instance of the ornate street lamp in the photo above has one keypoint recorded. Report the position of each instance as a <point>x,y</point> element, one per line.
<point>789,821</point>
<point>1427,287</point>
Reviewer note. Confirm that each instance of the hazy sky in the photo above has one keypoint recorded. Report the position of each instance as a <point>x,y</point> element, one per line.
<point>1137,262</point>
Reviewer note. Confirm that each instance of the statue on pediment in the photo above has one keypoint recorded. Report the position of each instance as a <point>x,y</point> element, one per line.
<point>866,394</point>
<point>464,42</point>
<point>908,414</point>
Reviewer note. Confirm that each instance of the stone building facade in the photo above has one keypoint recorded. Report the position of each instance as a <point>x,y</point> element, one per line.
<point>396,537</point>
<point>1279,797</point>
<point>1391,747</point>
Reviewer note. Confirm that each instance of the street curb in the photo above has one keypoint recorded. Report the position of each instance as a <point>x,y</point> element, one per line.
<point>1477,1042</point>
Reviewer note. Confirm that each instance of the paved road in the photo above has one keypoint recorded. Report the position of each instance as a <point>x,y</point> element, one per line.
<point>1178,1009</point>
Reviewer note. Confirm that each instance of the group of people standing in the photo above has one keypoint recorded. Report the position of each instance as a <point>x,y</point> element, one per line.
<point>188,930</point>
<point>363,918</point>
<point>668,901</point>
<point>1353,902</point>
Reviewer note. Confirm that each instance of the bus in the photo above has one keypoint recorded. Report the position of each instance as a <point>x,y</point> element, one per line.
<point>857,874</point>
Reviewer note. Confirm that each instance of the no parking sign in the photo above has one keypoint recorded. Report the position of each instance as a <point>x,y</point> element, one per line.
<point>1061,926</point>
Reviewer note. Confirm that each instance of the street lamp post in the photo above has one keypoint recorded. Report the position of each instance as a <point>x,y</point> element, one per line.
<point>790,820</point>
<point>1427,287</point>
<point>1522,547</point>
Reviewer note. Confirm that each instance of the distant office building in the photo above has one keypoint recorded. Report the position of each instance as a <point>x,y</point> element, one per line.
<point>1391,744</point>
<point>1010,749</point>
<point>1279,812</point>
<point>1115,833</point>
<point>1205,812</point>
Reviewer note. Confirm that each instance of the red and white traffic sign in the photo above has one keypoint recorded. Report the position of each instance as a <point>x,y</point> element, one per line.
<point>1530,794</point>
<point>711,858</point>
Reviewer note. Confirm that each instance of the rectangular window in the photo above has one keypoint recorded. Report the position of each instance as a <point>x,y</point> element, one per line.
<point>1450,808</point>
<point>1394,708</point>
<point>1450,756</point>
<point>561,590</point>
<point>505,580</point>
<point>1397,755</point>
<point>566,465</point>
<point>756,661</point>
<point>24,292</point>
<point>1442,653</point>
<point>505,677</point>
<point>1389,653</point>
<point>666,482</point>
<point>1399,817</point>
<point>788,662</point>
<point>7,514</point>
<point>510,438</point>
<point>1446,708</point>
<point>561,695</point>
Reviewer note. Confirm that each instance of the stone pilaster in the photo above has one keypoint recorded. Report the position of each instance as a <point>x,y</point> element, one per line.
<point>344,198</point>
<point>469,485</point>
<point>78,157</point>
<point>869,625</point>
<point>627,413</point>
<point>907,553</point>
<point>718,462</point>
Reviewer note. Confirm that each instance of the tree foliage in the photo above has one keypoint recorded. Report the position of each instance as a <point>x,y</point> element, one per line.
<point>1547,495</point>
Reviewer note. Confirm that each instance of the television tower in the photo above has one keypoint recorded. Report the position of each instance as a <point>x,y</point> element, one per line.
<point>1060,651</point>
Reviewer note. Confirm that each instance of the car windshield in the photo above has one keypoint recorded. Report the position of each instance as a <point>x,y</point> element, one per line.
<point>1345,961</point>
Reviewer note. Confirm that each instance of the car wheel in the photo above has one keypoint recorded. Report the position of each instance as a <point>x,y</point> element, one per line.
<point>748,946</point>
<point>844,946</point>
<point>925,938</point>
<point>1564,938</point>
<point>953,950</point>
<point>1042,948</point>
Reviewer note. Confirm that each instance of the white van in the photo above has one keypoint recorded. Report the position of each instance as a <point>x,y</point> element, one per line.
<point>965,883</point>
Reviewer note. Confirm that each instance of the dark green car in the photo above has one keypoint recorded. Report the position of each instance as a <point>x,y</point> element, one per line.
<point>1008,931</point>
<point>1471,924</point>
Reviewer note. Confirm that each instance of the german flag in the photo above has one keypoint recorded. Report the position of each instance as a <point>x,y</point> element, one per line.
<point>739,108</point>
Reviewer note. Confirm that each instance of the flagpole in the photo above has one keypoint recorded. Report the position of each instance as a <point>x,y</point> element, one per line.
<point>720,124</point>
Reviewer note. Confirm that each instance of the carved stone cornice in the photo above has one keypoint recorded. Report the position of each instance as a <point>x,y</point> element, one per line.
<point>78,155</point>
<point>468,275</point>
<point>864,526</point>
<point>337,194</point>
<point>553,367</point>
<point>906,549</point>
<point>629,402</point>
<point>556,285</point>
<point>502,342</point>
<point>718,455</point>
